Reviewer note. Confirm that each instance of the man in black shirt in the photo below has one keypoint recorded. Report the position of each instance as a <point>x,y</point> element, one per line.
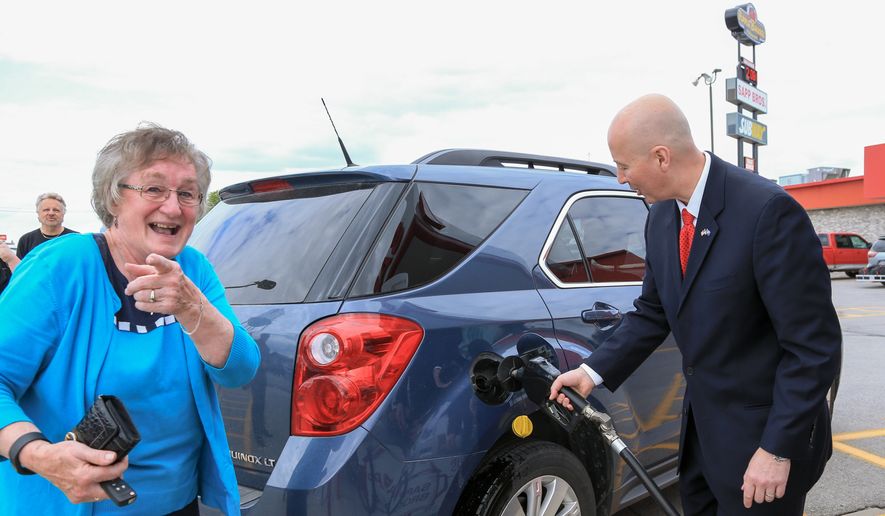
<point>51,214</point>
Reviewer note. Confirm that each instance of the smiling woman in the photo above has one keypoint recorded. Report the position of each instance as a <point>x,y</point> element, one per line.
<point>131,312</point>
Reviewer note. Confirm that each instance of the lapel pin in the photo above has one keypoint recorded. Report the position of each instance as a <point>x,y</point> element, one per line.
<point>705,232</point>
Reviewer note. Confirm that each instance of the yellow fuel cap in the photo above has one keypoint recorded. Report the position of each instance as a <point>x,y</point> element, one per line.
<point>522,426</point>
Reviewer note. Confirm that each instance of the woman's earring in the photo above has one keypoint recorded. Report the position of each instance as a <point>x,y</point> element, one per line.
<point>116,225</point>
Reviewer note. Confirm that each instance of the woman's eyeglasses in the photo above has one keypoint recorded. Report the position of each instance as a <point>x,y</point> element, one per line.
<point>157,193</point>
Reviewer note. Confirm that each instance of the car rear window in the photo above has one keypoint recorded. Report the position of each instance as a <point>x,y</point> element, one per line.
<point>271,251</point>
<point>431,230</point>
<point>879,245</point>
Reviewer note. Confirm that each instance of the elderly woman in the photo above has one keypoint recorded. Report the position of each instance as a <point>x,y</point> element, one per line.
<point>133,313</point>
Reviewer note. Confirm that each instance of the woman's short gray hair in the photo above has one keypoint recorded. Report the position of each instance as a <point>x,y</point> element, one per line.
<point>51,195</point>
<point>134,150</point>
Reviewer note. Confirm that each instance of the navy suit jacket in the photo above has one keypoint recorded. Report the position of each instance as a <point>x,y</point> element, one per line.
<point>753,318</point>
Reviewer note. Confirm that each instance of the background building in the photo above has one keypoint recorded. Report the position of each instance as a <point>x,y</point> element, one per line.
<point>813,175</point>
<point>836,202</point>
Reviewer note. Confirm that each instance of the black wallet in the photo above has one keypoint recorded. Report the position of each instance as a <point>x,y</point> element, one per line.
<point>107,426</point>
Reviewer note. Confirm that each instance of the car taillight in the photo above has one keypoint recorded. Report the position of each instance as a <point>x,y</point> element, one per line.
<point>346,366</point>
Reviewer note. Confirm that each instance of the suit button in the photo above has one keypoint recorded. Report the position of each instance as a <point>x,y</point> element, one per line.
<point>689,371</point>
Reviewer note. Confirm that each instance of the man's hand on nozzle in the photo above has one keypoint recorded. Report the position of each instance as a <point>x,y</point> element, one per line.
<point>577,379</point>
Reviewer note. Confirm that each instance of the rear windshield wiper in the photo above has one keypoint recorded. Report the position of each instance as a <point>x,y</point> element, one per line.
<point>264,284</point>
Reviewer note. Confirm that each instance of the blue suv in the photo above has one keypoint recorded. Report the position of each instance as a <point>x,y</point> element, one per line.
<point>371,290</point>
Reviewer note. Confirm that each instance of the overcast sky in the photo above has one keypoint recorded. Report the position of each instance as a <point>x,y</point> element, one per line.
<point>243,80</point>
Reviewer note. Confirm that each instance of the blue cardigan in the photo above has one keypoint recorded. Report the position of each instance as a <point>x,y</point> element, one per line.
<point>56,318</point>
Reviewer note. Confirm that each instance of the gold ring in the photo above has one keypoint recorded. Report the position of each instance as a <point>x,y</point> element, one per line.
<point>153,296</point>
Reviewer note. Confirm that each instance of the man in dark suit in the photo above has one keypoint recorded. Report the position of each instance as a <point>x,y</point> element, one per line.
<point>734,269</point>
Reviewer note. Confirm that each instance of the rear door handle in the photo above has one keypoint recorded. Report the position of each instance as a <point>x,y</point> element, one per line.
<point>602,314</point>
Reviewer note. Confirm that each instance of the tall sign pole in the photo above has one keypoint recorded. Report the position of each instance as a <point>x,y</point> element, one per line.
<point>710,87</point>
<point>741,90</point>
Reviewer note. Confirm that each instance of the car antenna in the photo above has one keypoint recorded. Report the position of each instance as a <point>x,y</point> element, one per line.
<point>341,143</point>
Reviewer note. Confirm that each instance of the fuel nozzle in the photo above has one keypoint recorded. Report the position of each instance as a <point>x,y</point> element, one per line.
<point>494,377</point>
<point>534,370</point>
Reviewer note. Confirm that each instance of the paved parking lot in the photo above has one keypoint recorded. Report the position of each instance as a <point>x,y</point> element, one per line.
<point>854,481</point>
<point>855,477</point>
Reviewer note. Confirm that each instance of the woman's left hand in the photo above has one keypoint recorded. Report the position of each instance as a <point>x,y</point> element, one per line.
<point>160,286</point>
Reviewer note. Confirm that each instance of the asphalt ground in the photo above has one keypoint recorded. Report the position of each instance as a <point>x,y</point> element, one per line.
<point>854,481</point>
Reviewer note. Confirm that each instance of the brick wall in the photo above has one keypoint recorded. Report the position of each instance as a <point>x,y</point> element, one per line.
<point>866,221</point>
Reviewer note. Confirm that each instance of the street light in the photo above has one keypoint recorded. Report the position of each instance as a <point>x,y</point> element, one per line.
<point>708,80</point>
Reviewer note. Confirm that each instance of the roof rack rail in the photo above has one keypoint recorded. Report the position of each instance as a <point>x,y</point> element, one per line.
<point>505,159</point>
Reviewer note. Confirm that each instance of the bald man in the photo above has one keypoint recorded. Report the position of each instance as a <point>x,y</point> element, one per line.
<point>734,271</point>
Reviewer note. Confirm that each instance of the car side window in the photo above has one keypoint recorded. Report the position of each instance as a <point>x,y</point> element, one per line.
<point>843,242</point>
<point>609,234</point>
<point>858,242</point>
<point>432,229</point>
<point>824,239</point>
<point>565,259</point>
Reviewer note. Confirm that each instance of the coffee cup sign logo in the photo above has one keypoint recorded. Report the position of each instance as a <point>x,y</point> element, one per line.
<point>744,24</point>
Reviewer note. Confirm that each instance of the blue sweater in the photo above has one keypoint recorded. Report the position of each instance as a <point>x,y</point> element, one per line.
<point>56,319</point>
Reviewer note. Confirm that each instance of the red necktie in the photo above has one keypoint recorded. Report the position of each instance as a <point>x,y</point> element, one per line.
<point>686,235</point>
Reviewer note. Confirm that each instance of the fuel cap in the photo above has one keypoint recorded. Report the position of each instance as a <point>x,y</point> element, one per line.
<point>522,426</point>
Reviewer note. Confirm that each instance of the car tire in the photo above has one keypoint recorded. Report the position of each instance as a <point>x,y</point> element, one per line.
<point>505,483</point>
<point>851,274</point>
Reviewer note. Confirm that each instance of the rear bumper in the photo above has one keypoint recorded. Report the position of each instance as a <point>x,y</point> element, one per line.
<point>843,267</point>
<point>355,474</point>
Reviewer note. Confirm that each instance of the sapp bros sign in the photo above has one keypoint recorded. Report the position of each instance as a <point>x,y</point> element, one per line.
<point>743,94</point>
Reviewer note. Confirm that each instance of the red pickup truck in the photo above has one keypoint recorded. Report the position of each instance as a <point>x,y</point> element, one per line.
<point>845,252</point>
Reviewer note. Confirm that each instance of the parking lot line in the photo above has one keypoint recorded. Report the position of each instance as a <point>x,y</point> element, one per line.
<point>866,434</point>
<point>853,312</point>
<point>872,458</point>
<point>860,454</point>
